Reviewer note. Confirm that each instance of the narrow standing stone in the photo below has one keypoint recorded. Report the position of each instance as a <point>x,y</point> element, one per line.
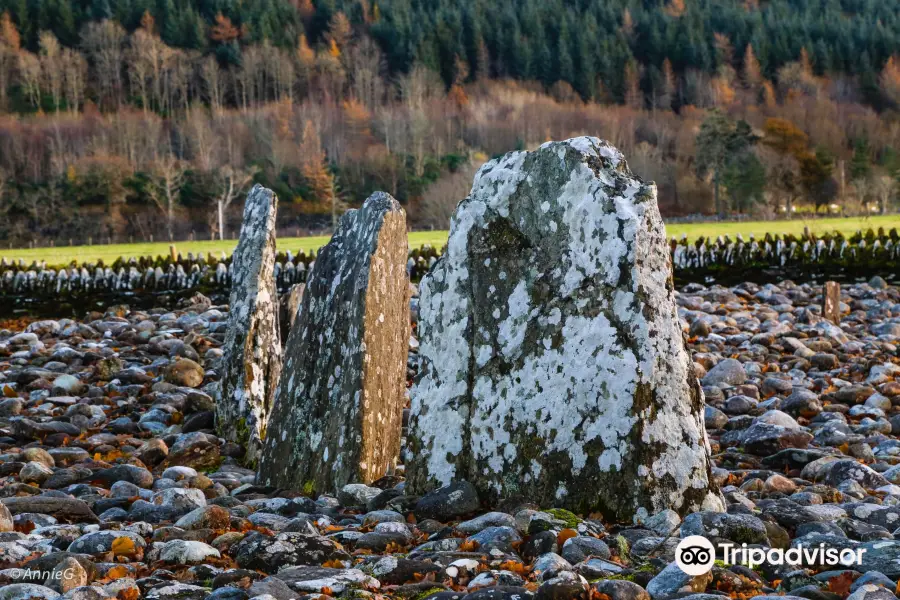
<point>251,358</point>
<point>339,403</point>
<point>553,367</point>
<point>831,303</point>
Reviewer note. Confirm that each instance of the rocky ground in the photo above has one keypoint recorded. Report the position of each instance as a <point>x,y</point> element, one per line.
<point>114,485</point>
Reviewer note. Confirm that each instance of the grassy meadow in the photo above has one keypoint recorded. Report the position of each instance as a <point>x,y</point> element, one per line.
<point>108,253</point>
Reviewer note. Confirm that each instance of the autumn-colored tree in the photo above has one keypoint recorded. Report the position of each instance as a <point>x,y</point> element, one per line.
<point>314,167</point>
<point>9,48</point>
<point>223,31</point>
<point>669,89</point>
<point>633,95</point>
<point>724,49</point>
<point>339,31</point>
<point>627,22</point>
<point>675,8</point>
<point>788,144</point>
<point>752,72</point>
<point>890,80</point>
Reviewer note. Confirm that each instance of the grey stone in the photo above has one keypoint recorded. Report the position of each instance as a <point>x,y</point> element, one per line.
<point>251,360</point>
<point>579,548</point>
<point>547,330</point>
<point>728,371</point>
<point>339,402</point>
<point>672,580</point>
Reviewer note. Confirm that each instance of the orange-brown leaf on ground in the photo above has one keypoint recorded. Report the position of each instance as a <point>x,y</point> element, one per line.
<point>468,546</point>
<point>411,519</point>
<point>129,593</point>
<point>564,535</point>
<point>123,546</point>
<point>117,572</point>
<point>514,566</point>
<point>8,392</point>
<point>840,585</point>
<point>25,527</point>
<point>334,528</point>
<point>333,564</point>
<point>326,591</point>
<point>595,595</point>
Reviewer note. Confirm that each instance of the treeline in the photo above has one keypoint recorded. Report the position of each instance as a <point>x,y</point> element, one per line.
<point>137,118</point>
<point>604,50</point>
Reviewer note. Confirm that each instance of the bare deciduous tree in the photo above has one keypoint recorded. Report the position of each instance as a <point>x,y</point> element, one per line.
<point>232,183</point>
<point>30,77</point>
<point>104,41</point>
<point>165,188</point>
<point>52,67</point>
<point>213,82</point>
<point>884,186</point>
<point>75,76</point>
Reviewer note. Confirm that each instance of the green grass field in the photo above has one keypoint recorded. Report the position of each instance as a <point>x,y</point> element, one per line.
<point>109,253</point>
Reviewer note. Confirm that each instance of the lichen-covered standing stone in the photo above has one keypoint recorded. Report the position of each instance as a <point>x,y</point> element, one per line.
<point>339,403</point>
<point>252,352</point>
<point>553,364</point>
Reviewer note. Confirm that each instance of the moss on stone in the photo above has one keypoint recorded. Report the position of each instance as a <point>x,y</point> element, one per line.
<point>569,518</point>
<point>424,594</point>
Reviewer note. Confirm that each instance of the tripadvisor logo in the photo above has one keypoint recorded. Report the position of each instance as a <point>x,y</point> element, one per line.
<point>695,555</point>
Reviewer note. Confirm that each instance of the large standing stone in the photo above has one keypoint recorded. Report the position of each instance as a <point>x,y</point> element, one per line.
<point>339,403</point>
<point>252,351</point>
<point>553,364</point>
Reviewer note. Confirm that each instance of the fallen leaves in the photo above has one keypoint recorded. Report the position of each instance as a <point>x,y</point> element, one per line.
<point>468,546</point>
<point>840,585</point>
<point>124,547</point>
<point>564,535</point>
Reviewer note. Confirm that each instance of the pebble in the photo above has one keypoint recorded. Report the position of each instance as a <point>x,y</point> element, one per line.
<point>111,471</point>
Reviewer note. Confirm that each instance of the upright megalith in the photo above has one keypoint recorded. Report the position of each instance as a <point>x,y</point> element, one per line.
<point>553,366</point>
<point>339,403</point>
<point>251,357</point>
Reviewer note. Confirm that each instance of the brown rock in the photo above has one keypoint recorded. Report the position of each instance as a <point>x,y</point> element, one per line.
<point>184,372</point>
<point>831,303</point>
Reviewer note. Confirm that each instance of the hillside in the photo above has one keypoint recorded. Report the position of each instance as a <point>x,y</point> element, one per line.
<point>141,119</point>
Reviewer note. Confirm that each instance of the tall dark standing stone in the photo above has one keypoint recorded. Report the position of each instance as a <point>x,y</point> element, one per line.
<point>339,403</point>
<point>251,358</point>
<point>553,366</point>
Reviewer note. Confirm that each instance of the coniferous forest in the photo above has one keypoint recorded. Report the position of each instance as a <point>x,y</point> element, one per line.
<point>139,118</point>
